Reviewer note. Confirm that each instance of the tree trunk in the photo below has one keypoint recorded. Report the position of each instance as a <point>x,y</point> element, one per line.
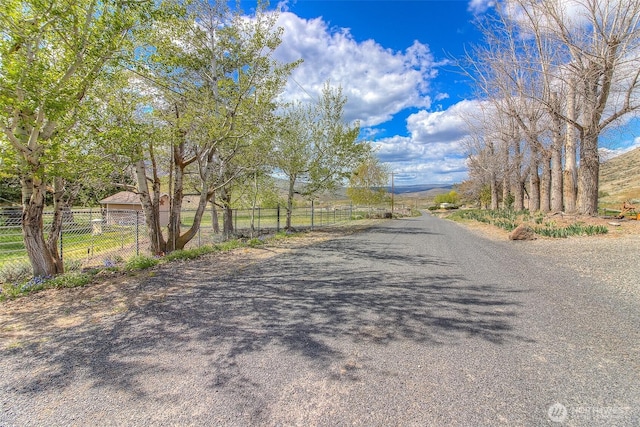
<point>60,210</point>
<point>227,213</point>
<point>43,262</point>
<point>545,183</point>
<point>569,175</point>
<point>506,193</point>
<point>534,184</point>
<point>506,184</point>
<point>228,221</point>
<point>151,209</point>
<point>518,187</point>
<point>215,222</point>
<point>556,175</point>
<point>494,191</point>
<point>187,236</point>
<point>292,181</point>
<point>254,203</point>
<point>175,212</point>
<point>587,202</point>
<point>518,195</point>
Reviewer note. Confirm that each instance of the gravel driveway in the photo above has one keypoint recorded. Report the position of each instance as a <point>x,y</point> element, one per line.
<point>412,322</point>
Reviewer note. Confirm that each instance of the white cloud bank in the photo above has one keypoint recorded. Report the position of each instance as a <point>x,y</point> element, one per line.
<point>434,150</point>
<point>378,82</point>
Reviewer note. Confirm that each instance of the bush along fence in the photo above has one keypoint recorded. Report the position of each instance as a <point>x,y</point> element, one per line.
<point>95,237</point>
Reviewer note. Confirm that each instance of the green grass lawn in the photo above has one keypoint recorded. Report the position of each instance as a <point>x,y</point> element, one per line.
<point>78,242</point>
<point>81,243</point>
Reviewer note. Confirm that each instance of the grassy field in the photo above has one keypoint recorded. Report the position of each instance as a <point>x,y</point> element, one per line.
<point>85,242</point>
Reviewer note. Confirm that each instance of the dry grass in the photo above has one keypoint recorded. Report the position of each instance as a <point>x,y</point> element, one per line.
<point>620,179</point>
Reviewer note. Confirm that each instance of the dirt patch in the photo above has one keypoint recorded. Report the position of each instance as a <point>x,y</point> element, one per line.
<point>113,293</point>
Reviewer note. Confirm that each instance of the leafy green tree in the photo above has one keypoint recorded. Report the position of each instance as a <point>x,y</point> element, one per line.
<point>367,182</point>
<point>216,83</point>
<point>10,193</point>
<point>485,196</point>
<point>52,54</point>
<point>294,148</point>
<point>450,197</point>
<point>315,148</point>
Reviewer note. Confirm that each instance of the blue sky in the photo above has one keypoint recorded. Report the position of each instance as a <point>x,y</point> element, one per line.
<point>393,62</point>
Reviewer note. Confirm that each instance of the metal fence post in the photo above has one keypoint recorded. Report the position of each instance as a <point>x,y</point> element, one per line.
<point>258,219</point>
<point>61,245</point>
<point>312,213</point>
<point>137,235</point>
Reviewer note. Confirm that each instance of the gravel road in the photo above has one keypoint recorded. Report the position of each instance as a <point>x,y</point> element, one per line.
<point>413,322</point>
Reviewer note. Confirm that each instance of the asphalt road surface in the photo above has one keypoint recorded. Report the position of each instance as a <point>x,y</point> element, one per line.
<point>413,322</point>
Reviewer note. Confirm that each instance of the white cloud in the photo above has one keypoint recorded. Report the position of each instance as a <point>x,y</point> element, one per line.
<point>434,150</point>
<point>480,6</point>
<point>378,82</point>
<point>609,153</point>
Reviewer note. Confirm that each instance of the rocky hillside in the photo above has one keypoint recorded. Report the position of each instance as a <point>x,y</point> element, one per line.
<point>620,179</point>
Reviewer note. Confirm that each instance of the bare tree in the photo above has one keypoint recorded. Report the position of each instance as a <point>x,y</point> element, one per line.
<point>598,42</point>
<point>484,146</point>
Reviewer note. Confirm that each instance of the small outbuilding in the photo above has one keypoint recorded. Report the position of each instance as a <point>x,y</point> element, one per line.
<point>117,208</point>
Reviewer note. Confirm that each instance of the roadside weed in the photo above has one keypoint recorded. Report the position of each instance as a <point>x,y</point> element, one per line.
<point>140,262</point>
<point>510,219</point>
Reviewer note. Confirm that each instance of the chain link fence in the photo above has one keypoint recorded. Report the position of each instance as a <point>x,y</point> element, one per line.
<point>88,238</point>
<point>99,237</point>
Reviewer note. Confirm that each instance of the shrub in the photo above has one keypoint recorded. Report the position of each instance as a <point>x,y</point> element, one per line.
<point>69,280</point>
<point>229,245</point>
<point>140,263</point>
<point>255,242</point>
<point>35,284</point>
<point>509,220</point>
<point>509,200</point>
<point>17,272</point>
<point>284,235</point>
<point>576,229</point>
<point>72,280</point>
<point>72,265</point>
<point>113,261</point>
<point>186,254</point>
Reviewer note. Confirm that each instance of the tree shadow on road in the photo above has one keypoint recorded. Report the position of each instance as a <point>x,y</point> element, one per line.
<point>306,304</point>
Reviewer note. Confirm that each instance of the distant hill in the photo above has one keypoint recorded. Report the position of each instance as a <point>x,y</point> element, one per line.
<point>421,189</point>
<point>620,179</point>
